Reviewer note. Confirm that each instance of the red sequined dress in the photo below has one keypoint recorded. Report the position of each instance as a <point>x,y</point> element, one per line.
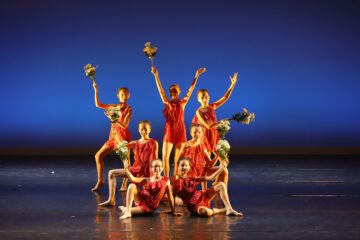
<point>175,131</point>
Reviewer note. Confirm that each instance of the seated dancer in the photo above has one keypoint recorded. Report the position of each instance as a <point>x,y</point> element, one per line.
<point>119,132</point>
<point>175,132</point>
<point>145,149</point>
<point>198,202</point>
<point>200,161</point>
<point>205,115</point>
<point>148,199</point>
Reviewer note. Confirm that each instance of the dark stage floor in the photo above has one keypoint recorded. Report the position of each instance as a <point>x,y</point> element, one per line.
<point>282,198</point>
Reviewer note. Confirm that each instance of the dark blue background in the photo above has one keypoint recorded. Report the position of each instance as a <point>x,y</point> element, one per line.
<point>298,64</point>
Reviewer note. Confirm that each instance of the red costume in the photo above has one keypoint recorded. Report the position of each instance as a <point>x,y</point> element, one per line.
<point>152,194</point>
<point>210,136</point>
<point>196,155</point>
<point>117,133</point>
<point>143,154</point>
<point>186,190</point>
<point>175,131</point>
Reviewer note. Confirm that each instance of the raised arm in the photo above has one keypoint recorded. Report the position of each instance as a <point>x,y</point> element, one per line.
<point>126,121</point>
<point>192,86</point>
<point>222,100</point>
<point>159,86</point>
<point>132,178</point>
<point>97,101</point>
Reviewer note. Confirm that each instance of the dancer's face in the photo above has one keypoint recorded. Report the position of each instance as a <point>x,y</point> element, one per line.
<point>183,168</point>
<point>196,133</point>
<point>203,98</point>
<point>123,96</point>
<point>156,168</point>
<point>144,129</point>
<point>174,93</point>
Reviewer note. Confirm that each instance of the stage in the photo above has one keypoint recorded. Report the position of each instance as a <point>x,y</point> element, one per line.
<point>281,198</point>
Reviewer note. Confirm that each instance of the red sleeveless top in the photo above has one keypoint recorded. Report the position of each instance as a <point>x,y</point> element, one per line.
<point>152,194</point>
<point>175,131</point>
<point>143,154</point>
<point>117,133</point>
<point>186,190</point>
<point>210,136</point>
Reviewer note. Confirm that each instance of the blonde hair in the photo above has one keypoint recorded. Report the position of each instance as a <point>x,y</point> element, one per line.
<point>145,122</point>
<point>177,87</point>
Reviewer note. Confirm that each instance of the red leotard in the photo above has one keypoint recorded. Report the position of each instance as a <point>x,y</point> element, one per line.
<point>175,131</point>
<point>152,194</point>
<point>210,136</point>
<point>143,154</point>
<point>197,155</point>
<point>117,133</point>
<point>186,190</point>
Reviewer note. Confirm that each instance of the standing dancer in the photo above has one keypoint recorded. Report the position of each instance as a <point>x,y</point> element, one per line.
<point>119,132</point>
<point>175,132</point>
<point>200,162</point>
<point>145,149</point>
<point>198,202</point>
<point>148,199</point>
<point>205,115</point>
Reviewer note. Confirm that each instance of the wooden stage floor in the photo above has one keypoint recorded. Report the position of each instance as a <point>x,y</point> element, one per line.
<point>281,198</point>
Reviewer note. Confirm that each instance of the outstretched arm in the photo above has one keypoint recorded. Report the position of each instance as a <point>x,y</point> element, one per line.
<point>192,86</point>
<point>222,100</point>
<point>159,86</point>
<point>97,101</point>
<point>214,175</point>
<point>134,179</point>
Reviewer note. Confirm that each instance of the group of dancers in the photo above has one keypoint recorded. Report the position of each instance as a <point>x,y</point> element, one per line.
<point>193,161</point>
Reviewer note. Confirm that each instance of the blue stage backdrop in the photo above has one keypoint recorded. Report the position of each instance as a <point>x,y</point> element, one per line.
<point>298,64</point>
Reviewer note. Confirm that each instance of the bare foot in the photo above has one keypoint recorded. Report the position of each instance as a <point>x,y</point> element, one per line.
<point>232,212</point>
<point>107,203</point>
<point>97,186</point>
<point>219,210</point>
<point>123,189</point>
<point>122,208</point>
<point>126,215</point>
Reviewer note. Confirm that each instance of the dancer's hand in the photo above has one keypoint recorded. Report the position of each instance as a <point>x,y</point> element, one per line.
<point>153,70</point>
<point>95,86</point>
<point>200,71</point>
<point>223,163</point>
<point>234,78</point>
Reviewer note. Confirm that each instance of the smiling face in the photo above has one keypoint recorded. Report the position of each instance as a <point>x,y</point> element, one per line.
<point>144,129</point>
<point>123,95</point>
<point>156,167</point>
<point>183,167</point>
<point>203,97</point>
<point>196,132</point>
<point>174,91</point>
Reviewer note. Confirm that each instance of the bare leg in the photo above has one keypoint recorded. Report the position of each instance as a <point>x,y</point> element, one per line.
<point>134,211</point>
<point>204,211</point>
<point>125,180</point>
<point>99,156</point>
<point>112,186</point>
<point>132,193</point>
<point>166,150</point>
<point>222,177</point>
<point>176,158</point>
<point>222,190</point>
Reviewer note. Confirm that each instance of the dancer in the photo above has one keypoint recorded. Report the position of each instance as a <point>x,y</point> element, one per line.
<point>198,202</point>
<point>200,161</point>
<point>175,132</point>
<point>119,132</point>
<point>205,115</point>
<point>145,149</point>
<point>148,199</point>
